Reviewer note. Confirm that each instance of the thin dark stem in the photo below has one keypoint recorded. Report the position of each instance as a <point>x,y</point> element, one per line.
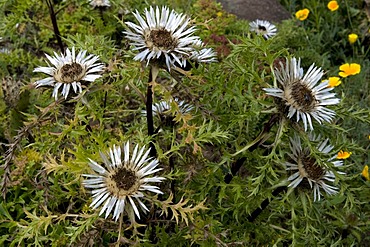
<point>238,163</point>
<point>234,169</point>
<point>55,25</point>
<point>265,203</point>
<point>149,113</point>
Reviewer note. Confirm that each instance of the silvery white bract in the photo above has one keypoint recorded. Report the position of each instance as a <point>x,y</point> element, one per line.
<point>123,181</point>
<point>99,3</point>
<point>303,94</point>
<point>305,167</point>
<point>69,70</point>
<point>165,35</point>
<point>264,28</point>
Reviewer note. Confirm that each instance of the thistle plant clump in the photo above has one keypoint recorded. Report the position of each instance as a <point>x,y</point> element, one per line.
<point>128,124</point>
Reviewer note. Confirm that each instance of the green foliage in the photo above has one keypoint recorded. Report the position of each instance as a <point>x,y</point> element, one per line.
<point>46,144</point>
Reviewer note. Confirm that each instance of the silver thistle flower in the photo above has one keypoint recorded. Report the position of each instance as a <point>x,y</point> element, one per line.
<point>99,3</point>
<point>68,71</point>
<point>301,94</point>
<point>205,55</point>
<point>264,28</point>
<point>162,107</point>
<point>164,34</point>
<point>123,181</point>
<point>306,168</point>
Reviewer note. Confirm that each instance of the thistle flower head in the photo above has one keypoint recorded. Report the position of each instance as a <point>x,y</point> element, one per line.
<point>164,35</point>
<point>162,110</point>
<point>307,168</point>
<point>99,3</point>
<point>302,94</point>
<point>124,179</point>
<point>69,70</point>
<point>264,28</point>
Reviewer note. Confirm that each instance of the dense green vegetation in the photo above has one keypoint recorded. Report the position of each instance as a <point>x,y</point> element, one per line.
<point>224,161</point>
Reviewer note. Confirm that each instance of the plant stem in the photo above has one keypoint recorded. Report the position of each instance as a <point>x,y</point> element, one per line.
<point>172,186</point>
<point>149,109</point>
<point>55,25</point>
<point>119,230</point>
<point>265,203</point>
<point>234,169</point>
<point>260,139</point>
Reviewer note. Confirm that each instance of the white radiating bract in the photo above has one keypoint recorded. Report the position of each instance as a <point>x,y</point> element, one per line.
<point>123,181</point>
<point>304,96</point>
<point>166,35</point>
<point>69,70</point>
<point>264,28</point>
<point>305,167</point>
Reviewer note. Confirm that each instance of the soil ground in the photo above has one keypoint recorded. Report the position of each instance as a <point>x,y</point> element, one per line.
<point>270,10</point>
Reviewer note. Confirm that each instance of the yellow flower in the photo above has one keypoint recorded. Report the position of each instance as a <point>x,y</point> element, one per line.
<point>352,38</point>
<point>333,5</point>
<point>365,173</point>
<point>302,14</point>
<point>334,81</point>
<point>349,69</point>
<point>343,155</point>
<point>219,14</point>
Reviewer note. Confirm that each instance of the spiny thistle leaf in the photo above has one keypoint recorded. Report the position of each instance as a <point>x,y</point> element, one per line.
<point>180,210</point>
